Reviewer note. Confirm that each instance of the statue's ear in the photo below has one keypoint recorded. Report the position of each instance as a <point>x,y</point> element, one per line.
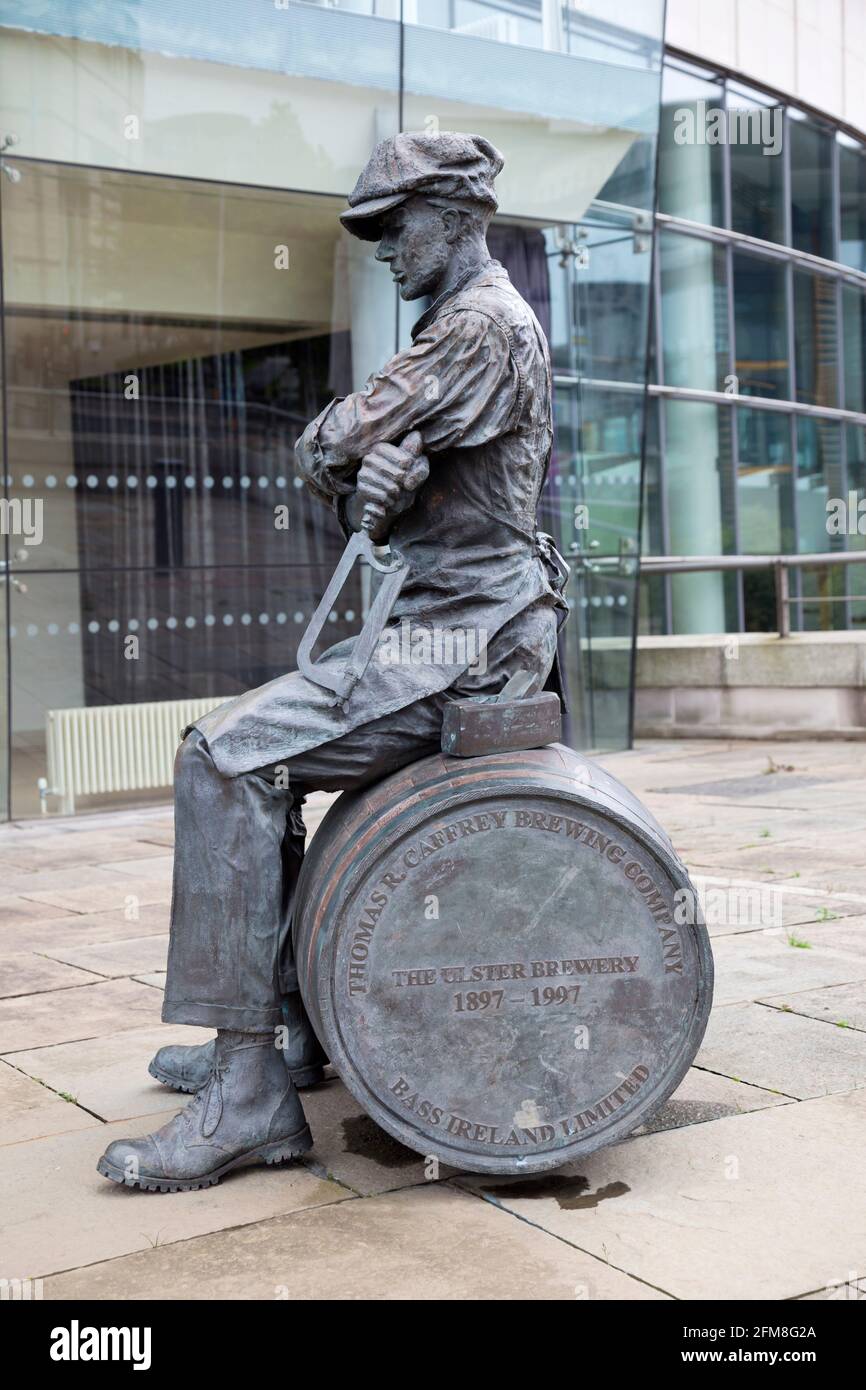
<point>451,222</point>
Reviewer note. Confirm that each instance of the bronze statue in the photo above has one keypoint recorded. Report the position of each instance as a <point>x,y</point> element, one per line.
<point>447,448</point>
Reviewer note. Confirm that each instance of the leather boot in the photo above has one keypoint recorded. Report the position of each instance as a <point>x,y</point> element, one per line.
<point>248,1112</point>
<point>186,1067</point>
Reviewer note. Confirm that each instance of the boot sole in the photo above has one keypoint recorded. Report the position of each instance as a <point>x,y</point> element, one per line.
<point>280,1152</point>
<point>310,1076</point>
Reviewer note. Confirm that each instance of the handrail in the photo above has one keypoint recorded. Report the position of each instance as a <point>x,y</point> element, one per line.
<point>779,564</point>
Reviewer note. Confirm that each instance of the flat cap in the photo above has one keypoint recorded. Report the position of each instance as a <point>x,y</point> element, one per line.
<point>446,165</point>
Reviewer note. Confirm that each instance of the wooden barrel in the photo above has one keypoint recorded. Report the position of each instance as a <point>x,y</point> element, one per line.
<point>502,957</point>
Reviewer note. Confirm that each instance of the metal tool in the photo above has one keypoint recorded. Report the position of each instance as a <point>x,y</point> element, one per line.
<point>343,682</point>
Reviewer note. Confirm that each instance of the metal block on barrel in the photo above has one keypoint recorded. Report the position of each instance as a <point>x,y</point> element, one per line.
<point>503,957</point>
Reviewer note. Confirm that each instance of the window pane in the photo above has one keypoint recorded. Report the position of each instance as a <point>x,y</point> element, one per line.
<point>765,502</point>
<point>811,188</point>
<point>700,512</point>
<point>765,482</point>
<point>595,480</point>
<point>855,441</point>
<point>852,188</point>
<point>610,300</point>
<point>694,312</point>
<point>690,173</point>
<point>819,477</point>
<point>160,367</point>
<point>760,327</point>
<point>816,350</point>
<point>757,178</point>
<point>854,334</point>
<point>240,92</point>
<point>652,618</point>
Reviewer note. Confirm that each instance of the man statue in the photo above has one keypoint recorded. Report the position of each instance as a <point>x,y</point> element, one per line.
<point>449,445</point>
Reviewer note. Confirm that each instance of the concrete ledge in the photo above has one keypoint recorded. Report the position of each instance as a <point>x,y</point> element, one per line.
<point>753,685</point>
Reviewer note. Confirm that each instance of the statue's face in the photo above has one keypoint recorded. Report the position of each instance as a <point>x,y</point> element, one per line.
<point>417,243</point>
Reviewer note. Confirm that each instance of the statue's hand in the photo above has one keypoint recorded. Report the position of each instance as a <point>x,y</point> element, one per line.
<point>387,481</point>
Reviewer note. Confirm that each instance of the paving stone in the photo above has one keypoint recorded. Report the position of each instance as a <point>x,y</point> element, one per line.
<point>752,964</point>
<point>752,786</point>
<point>845,1290</point>
<point>433,1244</point>
<point>690,1230</point>
<point>59,1213</point>
<point>161,838</point>
<point>16,911</point>
<point>105,896</point>
<point>702,1096</point>
<point>733,901</point>
<point>783,1052</point>
<point>56,855</point>
<point>844,934</point>
<point>773,858</point>
<point>766,1205</point>
<point>85,929</point>
<point>50,879</point>
<point>87,1011</point>
<point>840,1005</point>
<point>25,973</point>
<point>133,956</point>
<point>32,1111</point>
<point>353,1149</point>
<point>159,868</point>
<point>108,1075</point>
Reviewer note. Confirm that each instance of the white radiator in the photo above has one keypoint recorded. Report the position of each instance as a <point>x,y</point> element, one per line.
<point>115,748</point>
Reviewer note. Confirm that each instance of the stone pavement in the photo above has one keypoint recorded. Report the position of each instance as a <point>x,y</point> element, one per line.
<point>748,1183</point>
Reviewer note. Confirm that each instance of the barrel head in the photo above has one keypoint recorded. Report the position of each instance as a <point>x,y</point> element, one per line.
<point>499,962</point>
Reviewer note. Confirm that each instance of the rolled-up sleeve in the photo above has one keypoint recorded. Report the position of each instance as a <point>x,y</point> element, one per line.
<point>458,384</point>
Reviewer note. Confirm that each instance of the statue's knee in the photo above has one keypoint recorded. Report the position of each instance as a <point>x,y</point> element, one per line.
<point>192,759</point>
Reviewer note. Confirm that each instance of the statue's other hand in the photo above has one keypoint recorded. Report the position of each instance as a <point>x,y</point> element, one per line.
<point>388,479</point>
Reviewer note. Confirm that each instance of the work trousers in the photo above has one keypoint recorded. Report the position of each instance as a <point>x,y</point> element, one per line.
<point>239,844</point>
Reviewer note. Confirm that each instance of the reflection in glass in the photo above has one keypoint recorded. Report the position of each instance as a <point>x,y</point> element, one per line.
<point>811,188</point>
<point>819,477</point>
<point>765,482</point>
<point>760,327</point>
<point>854,347</point>
<point>757,178</point>
<point>855,498</point>
<point>694,312</point>
<point>852,191</point>
<point>816,349</point>
<point>690,172</point>
<point>160,368</point>
<point>701,513</point>
<point>765,506</point>
<point>653,615</point>
<point>162,359</point>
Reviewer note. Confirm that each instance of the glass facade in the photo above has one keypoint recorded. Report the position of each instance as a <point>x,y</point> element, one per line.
<point>760,293</point>
<point>179,300</point>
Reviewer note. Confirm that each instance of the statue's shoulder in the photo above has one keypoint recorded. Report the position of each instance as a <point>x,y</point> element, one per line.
<point>494,296</point>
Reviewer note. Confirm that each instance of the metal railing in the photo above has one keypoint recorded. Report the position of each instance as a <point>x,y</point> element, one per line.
<point>780,565</point>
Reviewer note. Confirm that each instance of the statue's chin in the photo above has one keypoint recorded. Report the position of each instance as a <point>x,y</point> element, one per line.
<point>408,292</point>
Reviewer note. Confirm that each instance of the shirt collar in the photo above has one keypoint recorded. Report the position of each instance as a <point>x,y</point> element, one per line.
<point>483,275</point>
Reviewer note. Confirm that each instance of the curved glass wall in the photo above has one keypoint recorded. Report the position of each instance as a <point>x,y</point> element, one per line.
<point>761,294</point>
<point>180,300</point>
